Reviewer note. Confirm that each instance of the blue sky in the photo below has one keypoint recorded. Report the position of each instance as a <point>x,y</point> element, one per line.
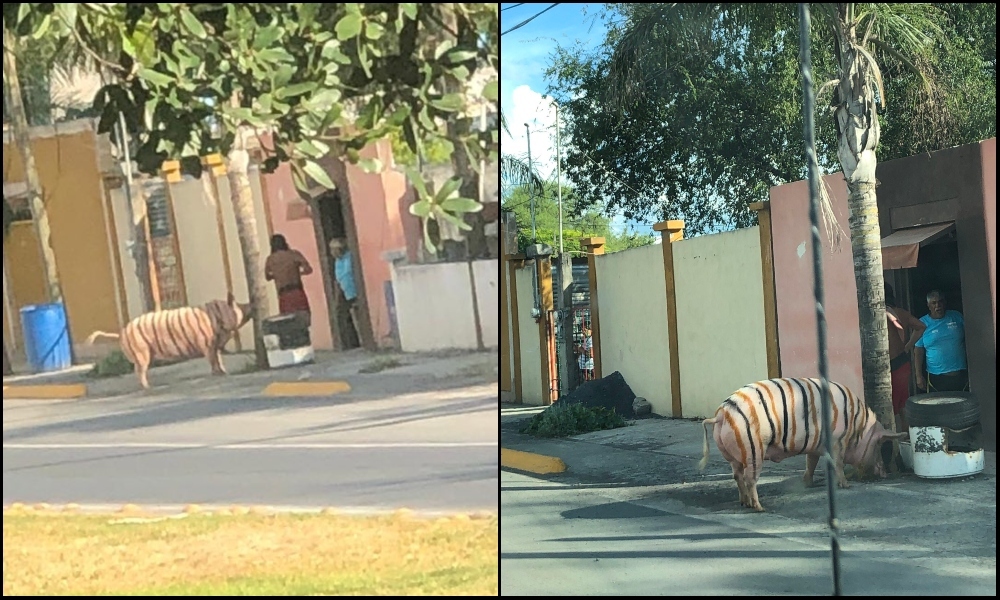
<point>524,57</point>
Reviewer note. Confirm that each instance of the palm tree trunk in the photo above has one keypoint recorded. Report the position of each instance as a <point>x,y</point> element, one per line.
<point>858,134</point>
<point>6,361</point>
<point>23,140</point>
<point>246,226</point>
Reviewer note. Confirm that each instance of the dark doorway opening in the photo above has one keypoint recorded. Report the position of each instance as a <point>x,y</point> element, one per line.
<point>331,217</point>
<point>937,268</point>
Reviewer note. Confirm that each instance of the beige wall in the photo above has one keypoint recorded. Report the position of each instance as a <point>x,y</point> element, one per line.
<point>434,306</point>
<point>201,248</point>
<point>236,253</point>
<point>67,159</point>
<point>531,367</point>
<point>720,317</point>
<point>633,313</point>
<point>486,275</point>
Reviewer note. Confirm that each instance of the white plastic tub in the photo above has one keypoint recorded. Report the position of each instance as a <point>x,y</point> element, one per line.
<point>933,459</point>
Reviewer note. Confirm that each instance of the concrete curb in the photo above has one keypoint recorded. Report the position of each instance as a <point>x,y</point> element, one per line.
<point>67,391</point>
<point>530,462</point>
<point>306,388</point>
<point>175,511</point>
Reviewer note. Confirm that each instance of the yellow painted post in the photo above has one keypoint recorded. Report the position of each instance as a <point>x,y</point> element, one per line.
<point>767,277</point>
<point>672,231</point>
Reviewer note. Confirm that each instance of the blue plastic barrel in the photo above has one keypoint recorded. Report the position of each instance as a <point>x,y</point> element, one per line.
<point>46,337</point>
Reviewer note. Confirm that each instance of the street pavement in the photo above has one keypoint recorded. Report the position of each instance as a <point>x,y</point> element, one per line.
<point>421,436</point>
<point>632,515</point>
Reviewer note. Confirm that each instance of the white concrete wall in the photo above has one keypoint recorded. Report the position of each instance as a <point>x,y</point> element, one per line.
<point>720,317</point>
<point>198,238</point>
<point>434,306</point>
<point>124,229</point>
<point>487,280</point>
<point>531,366</point>
<point>633,320</point>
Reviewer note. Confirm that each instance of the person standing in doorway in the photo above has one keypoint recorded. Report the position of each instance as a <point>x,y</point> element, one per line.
<point>343,270</point>
<point>900,321</point>
<point>588,354</point>
<point>942,346</point>
<point>285,267</point>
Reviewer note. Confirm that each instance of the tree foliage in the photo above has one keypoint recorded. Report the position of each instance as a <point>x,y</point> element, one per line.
<point>711,116</point>
<point>578,222</point>
<point>323,78</point>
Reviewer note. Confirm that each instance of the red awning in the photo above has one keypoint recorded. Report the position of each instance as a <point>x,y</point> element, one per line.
<point>899,250</point>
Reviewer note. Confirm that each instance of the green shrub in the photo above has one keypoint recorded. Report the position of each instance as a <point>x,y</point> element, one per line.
<point>112,365</point>
<point>561,420</point>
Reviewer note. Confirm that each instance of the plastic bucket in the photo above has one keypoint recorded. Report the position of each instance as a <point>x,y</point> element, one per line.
<point>46,337</point>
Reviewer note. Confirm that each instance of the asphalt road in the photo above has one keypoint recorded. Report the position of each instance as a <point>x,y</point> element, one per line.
<point>583,539</point>
<point>434,449</point>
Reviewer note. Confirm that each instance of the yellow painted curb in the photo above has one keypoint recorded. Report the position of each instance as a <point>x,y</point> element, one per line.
<point>533,463</point>
<point>306,388</point>
<point>45,392</point>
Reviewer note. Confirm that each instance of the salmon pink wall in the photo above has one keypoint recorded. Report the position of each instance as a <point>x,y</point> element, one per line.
<point>793,283</point>
<point>378,201</point>
<point>297,228</point>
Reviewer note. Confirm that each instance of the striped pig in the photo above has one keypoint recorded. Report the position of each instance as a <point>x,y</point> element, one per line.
<point>778,418</point>
<point>180,333</point>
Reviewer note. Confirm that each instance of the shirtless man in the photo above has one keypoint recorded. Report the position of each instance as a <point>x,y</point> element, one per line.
<point>286,267</point>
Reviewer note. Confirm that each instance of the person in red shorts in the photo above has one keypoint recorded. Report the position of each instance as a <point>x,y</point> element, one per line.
<point>900,347</point>
<point>285,267</point>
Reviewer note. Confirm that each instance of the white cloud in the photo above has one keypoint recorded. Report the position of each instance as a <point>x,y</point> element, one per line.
<point>531,107</point>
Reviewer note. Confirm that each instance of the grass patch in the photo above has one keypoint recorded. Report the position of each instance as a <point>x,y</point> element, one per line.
<point>562,419</point>
<point>249,555</point>
<point>112,365</point>
<point>249,366</point>
<point>381,364</point>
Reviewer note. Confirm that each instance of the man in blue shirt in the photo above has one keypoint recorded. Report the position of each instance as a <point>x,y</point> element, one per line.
<point>942,347</point>
<point>344,274</point>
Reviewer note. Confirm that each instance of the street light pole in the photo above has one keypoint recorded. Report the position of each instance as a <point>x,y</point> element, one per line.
<point>559,177</point>
<point>531,188</point>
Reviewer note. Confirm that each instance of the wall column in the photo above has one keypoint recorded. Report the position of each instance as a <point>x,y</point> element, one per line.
<point>672,231</point>
<point>767,278</point>
<point>514,262</point>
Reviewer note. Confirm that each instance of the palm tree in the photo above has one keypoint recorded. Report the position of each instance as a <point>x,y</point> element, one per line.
<point>513,170</point>
<point>861,35</point>
<point>22,139</point>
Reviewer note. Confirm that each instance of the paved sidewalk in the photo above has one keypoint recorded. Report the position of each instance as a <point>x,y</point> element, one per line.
<point>653,463</point>
<point>384,372</point>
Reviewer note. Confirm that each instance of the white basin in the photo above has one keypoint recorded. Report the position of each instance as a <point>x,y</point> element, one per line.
<point>933,459</point>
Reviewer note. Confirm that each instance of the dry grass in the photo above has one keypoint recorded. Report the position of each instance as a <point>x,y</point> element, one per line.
<point>249,555</point>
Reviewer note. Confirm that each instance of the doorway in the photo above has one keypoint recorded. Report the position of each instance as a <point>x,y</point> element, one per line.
<point>937,268</point>
<point>331,218</point>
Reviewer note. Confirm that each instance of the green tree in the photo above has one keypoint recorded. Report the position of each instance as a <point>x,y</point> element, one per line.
<point>862,44</point>
<point>15,102</point>
<point>578,222</point>
<point>197,79</point>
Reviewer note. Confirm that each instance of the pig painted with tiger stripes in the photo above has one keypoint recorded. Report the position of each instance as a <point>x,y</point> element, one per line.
<point>186,332</point>
<point>778,418</point>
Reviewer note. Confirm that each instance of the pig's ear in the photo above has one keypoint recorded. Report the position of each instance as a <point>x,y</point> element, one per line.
<point>902,435</point>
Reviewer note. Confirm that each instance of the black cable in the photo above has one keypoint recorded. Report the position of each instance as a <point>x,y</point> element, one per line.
<point>530,19</point>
